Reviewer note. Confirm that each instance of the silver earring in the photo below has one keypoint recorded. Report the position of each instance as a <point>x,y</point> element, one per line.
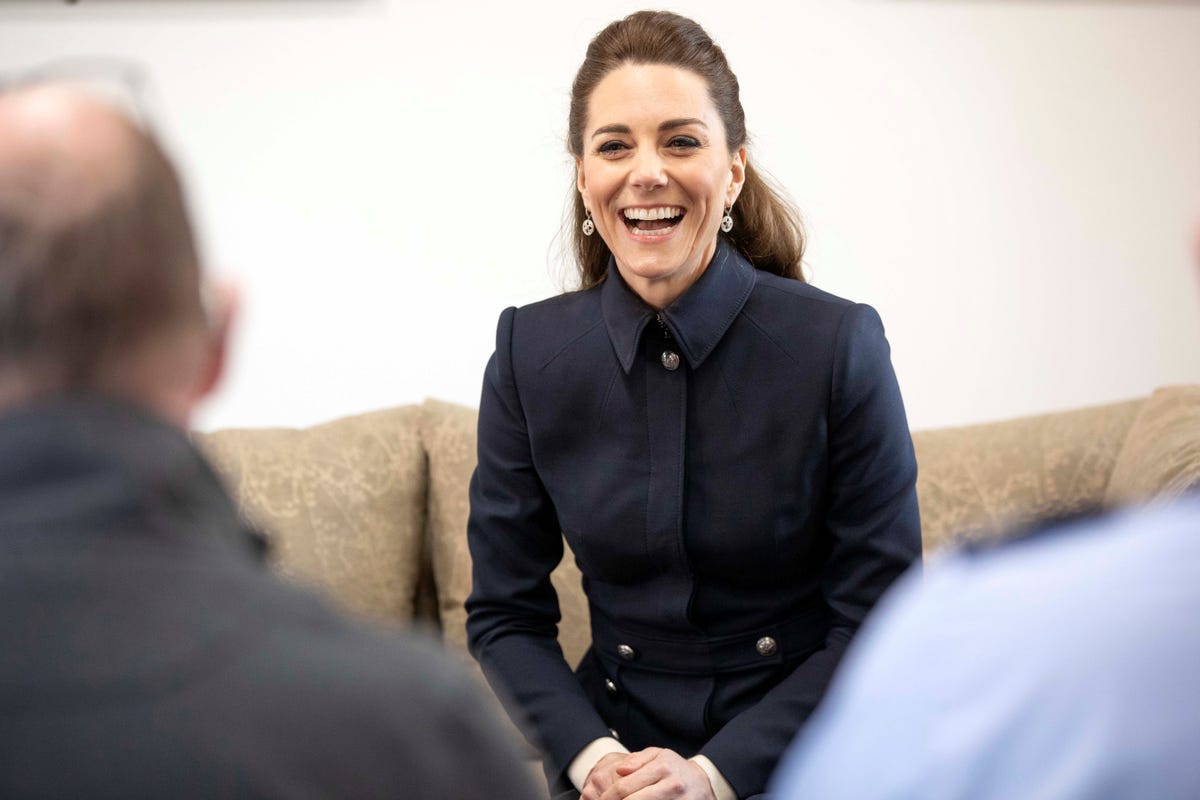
<point>588,227</point>
<point>727,221</point>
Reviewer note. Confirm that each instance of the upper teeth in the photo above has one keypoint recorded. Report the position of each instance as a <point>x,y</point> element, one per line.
<point>663,212</point>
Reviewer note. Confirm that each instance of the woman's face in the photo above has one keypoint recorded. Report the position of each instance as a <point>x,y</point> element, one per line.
<point>657,174</point>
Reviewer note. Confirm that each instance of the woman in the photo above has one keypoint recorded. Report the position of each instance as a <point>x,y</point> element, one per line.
<point>723,447</point>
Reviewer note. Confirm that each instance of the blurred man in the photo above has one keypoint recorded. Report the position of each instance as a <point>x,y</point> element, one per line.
<point>145,651</point>
<point>1063,666</point>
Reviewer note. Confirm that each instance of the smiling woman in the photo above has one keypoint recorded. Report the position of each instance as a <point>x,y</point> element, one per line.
<point>723,447</point>
<point>657,176</point>
<point>768,229</point>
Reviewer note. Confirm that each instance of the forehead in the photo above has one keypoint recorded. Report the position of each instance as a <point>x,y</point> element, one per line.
<point>650,93</point>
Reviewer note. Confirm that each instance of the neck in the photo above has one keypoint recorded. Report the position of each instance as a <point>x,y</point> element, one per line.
<point>26,382</point>
<point>658,293</point>
<point>160,375</point>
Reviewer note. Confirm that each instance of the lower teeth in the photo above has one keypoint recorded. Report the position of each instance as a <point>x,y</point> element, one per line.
<point>652,231</point>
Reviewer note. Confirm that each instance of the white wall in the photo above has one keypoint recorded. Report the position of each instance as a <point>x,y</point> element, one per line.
<point>1013,185</point>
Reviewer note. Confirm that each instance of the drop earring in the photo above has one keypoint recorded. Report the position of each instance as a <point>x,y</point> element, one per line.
<point>588,227</point>
<point>727,221</point>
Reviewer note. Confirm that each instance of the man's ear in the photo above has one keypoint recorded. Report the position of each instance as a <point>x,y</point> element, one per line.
<point>222,307</point>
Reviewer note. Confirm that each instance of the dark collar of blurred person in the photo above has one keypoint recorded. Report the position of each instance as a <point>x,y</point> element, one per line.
<point>100,286</point>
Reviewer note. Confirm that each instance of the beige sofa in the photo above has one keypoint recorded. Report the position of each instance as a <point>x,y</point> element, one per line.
<point>373,508</point>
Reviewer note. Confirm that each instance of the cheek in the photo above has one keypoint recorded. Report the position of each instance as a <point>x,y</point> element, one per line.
<point>709,188</point>
<point>601,186</point>
<point>713,199</point>
<point>599,183</point>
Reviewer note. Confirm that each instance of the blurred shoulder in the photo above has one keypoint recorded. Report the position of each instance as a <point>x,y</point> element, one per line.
<point>325,645</point>
<point>385,703</point>
<point>1088,575</point>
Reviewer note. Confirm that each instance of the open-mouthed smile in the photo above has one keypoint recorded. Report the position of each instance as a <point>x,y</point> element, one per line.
<point>652,221</point>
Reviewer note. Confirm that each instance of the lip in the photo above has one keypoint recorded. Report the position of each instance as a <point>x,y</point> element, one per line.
<point>649,239</point>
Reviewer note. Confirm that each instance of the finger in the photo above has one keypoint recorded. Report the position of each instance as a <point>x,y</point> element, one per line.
<point>676,779</point>
<point>598,783</point>
<point>608,762</point>
<point>635,761</point>
<point>662,790</point>
<point>670,787</point>
<point>647,776</point>
<point>601,776</point>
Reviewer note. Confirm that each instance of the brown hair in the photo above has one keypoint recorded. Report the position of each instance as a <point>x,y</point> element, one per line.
<point>767,229</point>
<point>82,282</point>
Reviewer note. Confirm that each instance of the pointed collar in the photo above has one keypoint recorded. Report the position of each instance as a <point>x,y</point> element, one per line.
<point>698,318</point>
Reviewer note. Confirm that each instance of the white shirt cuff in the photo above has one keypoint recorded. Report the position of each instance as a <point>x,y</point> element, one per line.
<point>582,764</point>
<point>721,788</point>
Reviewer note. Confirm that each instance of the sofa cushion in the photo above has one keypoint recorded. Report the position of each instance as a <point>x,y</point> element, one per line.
<point>343,503</point>
<point>1161,456</point>
<point>981,481</point>
<point>449,433</point>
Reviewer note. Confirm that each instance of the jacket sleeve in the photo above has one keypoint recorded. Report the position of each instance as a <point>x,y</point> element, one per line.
<point>873,534</point>
<point>515,543</point>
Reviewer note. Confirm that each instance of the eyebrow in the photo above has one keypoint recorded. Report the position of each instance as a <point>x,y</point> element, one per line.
<point>668,125</point>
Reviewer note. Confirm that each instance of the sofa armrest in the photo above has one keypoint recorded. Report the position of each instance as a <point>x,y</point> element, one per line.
<point>1161,455</point>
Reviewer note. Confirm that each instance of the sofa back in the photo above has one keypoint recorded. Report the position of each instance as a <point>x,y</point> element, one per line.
<point>373,508</point>
<point>344,504</point>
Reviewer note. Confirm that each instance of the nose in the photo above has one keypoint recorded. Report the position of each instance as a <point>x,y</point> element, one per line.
<point>649,170</point>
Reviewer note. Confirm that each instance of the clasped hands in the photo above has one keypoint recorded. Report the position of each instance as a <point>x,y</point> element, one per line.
<point>651,774</point>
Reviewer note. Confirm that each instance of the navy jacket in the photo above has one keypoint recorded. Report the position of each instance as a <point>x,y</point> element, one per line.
<point>736,480</point>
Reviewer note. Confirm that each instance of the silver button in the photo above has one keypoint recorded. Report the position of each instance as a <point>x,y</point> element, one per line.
<point>613,733</point>
<point>670,360</point>
<point>626,652</point>
<point>766,646</point>
<point>610,686</point>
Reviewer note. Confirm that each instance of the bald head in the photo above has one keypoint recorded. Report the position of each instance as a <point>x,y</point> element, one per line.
<point>63,152</point>
<point>97,258</point>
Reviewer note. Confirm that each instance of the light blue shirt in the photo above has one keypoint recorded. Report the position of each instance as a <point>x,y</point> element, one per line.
<point>1066,666</point>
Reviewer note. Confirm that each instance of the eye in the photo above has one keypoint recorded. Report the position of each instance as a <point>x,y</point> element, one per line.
<point>611,147</point>
<point>683,143</point>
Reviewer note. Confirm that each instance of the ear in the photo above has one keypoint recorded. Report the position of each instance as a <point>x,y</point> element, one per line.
<point>222,313</point>
<point>737,176</point>
<point>581,181</point>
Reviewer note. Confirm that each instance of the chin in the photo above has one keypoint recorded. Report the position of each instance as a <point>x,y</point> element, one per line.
<point>653,268</point>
